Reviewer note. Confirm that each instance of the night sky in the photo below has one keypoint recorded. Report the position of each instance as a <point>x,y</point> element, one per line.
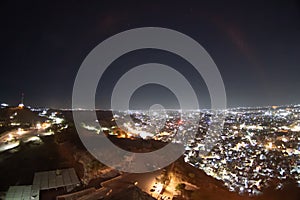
<point>256,46</point>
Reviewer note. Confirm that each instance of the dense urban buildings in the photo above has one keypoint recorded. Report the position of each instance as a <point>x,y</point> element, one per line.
<point>150,100</point>
<point>255,150</point>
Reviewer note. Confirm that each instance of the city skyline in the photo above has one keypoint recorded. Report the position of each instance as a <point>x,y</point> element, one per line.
<point>158,100</point>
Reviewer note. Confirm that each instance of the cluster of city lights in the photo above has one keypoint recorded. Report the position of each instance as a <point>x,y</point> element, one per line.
<point>255,149</point>
<point>258,148</point>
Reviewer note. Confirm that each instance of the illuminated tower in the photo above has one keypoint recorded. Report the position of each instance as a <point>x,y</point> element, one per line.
<point>21,105</point>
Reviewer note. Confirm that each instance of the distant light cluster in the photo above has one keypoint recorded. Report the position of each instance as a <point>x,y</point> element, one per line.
<point>255,149</point>
<point>258,148</point>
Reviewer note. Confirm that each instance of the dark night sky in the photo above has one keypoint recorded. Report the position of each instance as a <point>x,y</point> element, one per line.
<point>255,45</point>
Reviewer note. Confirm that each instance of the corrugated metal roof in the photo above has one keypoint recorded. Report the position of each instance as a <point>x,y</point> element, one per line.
<point>25,192</point>
<point>55,179</point>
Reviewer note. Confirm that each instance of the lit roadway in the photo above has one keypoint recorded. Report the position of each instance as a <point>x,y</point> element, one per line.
<point>12,139</point>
